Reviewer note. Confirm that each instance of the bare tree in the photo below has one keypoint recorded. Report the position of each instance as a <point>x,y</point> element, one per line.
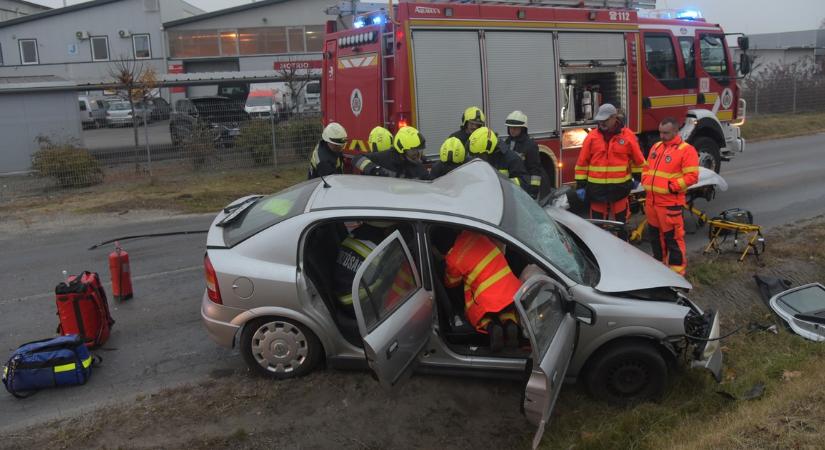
<point>822,24</point>
<point>136,82</point>
<point>296,80</point>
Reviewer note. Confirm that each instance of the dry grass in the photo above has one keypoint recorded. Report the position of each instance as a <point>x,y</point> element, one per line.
<point>761,128</point>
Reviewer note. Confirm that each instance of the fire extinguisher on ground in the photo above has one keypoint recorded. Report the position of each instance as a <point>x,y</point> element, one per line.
<point>120,273</point>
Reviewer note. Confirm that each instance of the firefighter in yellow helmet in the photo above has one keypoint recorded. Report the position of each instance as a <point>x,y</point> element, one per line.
<point>519,142</point>
<point>380,139</point>
<point>508,163</point>
<point>452,155</point>
<point>326,158</point>
<point>472,119</point>
<point>403,161</point>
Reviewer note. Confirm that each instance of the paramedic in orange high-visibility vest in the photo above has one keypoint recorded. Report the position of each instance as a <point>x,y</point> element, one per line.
<point>672,166</point>
<point>609,166</point>
<point>489,287</point>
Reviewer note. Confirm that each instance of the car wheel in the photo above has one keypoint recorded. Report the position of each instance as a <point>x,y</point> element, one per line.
<point>627,373</point>
<point>280,348</point>
<point>709,156</point>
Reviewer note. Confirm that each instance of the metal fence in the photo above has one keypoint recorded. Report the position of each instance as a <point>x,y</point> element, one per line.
<point>784,95</point>
<point>135,142</point>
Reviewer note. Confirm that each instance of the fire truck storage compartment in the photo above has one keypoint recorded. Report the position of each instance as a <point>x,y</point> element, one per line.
<point>593,68</point>
<point>498,70</point>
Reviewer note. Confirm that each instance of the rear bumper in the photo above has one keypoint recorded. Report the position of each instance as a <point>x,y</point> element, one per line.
<point>217,321</point>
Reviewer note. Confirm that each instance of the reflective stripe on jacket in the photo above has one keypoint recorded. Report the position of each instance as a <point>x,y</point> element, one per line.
<point>609,163</point>
<point>489,284</point>
<point>351,254</point>
<point>324,161</point>
<point>670,169</point>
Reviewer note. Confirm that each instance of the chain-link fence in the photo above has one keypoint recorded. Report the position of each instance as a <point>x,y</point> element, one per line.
<point>134,141</point>
<point>793,88</point>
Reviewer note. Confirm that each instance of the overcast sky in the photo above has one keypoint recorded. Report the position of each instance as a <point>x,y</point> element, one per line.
<point>743,16</point>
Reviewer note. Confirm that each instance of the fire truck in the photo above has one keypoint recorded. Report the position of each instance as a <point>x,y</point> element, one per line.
<point>421,64</point>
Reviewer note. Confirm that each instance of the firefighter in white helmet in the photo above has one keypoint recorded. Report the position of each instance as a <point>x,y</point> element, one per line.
<point>327,156</point>
<point>403,161</point>
<point>519,142</point>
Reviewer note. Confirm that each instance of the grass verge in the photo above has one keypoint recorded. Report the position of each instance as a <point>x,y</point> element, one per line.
<point>761,128</point>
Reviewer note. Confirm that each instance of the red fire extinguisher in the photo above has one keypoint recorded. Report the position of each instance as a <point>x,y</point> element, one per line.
<point>119,271</point>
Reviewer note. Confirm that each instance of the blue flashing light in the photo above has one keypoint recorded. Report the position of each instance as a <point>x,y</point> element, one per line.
<point>359,23</point>
<point>378,20</point>
<point>689,14</point>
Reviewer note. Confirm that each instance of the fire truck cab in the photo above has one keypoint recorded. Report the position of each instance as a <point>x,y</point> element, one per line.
<point>422,64</point>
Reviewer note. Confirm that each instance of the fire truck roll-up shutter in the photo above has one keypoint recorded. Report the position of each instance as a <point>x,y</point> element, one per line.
<point>521,75</point>
<point>447,80</point>
<point>578,48</point>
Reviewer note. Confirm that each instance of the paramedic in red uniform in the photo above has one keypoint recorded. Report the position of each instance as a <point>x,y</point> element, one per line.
<point>672,166</point>
<point>609,166</point>
<point>489,287</point>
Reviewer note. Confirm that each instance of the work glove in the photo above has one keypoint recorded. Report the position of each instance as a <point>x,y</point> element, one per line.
<point>382,172</point>
<point>580,193</point>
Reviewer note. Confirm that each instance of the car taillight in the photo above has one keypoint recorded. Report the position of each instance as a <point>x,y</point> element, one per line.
<point>212,289</point>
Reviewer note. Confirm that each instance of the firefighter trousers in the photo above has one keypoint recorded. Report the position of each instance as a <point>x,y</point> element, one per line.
<point>666,232</point>
<point>507,314</point>
<point>619,208</point>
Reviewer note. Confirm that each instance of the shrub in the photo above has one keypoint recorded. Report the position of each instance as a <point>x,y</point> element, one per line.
<point>72,166</point>
<point>301,134</point>
<point>256,138</point>
<point>199,145</point>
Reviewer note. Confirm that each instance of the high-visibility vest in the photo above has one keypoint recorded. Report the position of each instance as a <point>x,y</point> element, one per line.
<point>489,284</point>
<point>670,169</point>
<point>613,162</point>
<point>351,255</point>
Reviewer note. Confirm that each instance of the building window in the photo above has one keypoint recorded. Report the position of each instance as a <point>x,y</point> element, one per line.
<point>229,43</point>
<point>315,38</point>
<point>142,46</point>
<point>660,57</point>
<point>193,44</point>
<point>296,40</point>
<point>714,58</point>
<point>28,51</point>
<point>100,48</point>
<point>261,41</point>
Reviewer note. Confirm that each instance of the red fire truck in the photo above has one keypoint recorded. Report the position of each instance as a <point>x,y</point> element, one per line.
<point>422,64</point>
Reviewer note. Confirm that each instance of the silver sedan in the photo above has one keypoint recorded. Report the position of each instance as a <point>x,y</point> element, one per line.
<point>591,307</point>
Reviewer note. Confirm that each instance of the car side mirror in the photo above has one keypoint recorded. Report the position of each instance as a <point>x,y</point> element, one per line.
<point>743,42</point>
<point>584,313</point>
<point>744,64</point>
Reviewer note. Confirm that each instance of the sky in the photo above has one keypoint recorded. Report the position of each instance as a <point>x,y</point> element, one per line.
<point>743,16</point>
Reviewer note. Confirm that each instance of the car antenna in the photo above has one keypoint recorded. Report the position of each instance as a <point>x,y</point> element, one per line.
<point>326,185</point>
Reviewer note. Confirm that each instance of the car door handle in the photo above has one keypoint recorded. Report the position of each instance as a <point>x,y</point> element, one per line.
<point>392,349</point>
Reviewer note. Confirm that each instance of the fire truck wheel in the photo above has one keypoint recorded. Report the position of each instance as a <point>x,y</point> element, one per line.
<point>709,156</point>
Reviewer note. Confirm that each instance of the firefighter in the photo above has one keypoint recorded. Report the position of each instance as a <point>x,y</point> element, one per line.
<point>485,144</point>
<point>380,139</point>
<point>519,142</point>
<point>451,155</point>
<point>352,251</point>
<point>609,166</point>
<point>326,158</point>
<point>404,162</point>
<point>672,166</point>
<point>472,119</point>
<point>489,287</point>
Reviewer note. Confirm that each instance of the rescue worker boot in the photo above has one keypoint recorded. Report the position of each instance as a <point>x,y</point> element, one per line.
<point>510,335</point>
<point>496,334</point>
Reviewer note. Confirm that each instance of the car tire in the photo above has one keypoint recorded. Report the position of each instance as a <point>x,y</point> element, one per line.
<point>708,150</point>
<point>627,373</point>
<point>280,348</point>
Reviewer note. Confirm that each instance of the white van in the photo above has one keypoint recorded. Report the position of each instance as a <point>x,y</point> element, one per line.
<point>92,112</point>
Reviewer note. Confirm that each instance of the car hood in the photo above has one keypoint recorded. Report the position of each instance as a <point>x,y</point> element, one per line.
<point>623,267</point>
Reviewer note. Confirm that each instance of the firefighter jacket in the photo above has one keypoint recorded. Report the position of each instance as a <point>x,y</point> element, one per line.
<point>489,284</point>
<point>324,161</point>
<point>353,250</point>
<point>525,147</point>
<point>441,168</point>
<point>462,136</point>
<point>605,168</point>
<point>670,169</point>
<point>390,164</point>
<point>509,164</point>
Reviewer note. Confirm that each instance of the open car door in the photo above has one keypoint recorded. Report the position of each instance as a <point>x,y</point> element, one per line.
<point>394,312</point>
<point>543,306</point>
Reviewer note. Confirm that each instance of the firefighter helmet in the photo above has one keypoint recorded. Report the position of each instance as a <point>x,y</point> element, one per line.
<point>483,140</point>
<point>473,114</point>
<point>516,119</point>
<point>408,138</point>
<point>380,139</point>
<point>334,134</point>
<point>452,151</point>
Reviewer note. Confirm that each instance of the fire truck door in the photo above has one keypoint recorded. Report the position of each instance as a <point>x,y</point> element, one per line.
<point>358,102</point>
<point>663,79</point>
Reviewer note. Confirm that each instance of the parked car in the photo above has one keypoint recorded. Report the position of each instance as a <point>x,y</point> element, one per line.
<point>261,106</point>
<point>92,112</point>
<point>160,109</point>
<point>222,115</point>
<point>119,113</point>
<point>269,268</point>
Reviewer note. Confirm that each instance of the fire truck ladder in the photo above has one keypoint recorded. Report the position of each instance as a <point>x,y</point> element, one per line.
<point>387,78</point>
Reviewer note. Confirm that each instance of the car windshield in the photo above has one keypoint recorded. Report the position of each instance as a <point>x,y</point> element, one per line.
<point>259,101</point>
<point>805,301</point>
<point>525,220</point>
<point>314,88</point>
<point>268,211</point>
<point>119,106</point>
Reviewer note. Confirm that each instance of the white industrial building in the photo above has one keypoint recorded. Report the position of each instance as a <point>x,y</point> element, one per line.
<point>786,48</point>
<point>13,9</point>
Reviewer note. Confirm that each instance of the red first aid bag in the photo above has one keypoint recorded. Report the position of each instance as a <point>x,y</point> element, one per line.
<point>83,309</point>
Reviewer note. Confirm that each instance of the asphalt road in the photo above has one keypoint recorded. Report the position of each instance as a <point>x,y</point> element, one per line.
<point>158,340</point>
